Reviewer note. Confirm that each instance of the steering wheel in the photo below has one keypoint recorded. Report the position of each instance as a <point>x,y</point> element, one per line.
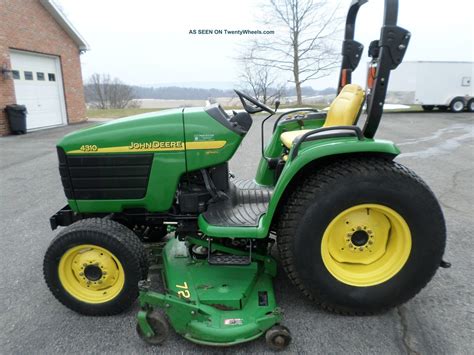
<point>256,106</point>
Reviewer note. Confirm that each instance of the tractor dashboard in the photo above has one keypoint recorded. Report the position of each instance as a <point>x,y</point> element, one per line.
<point>239,122</point>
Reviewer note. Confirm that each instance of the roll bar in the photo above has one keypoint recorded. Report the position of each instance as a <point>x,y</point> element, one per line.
<point>351,50</point>
<point>387,53</point>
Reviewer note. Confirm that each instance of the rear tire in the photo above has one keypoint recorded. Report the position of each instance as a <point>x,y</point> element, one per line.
<point>344,185</point>
<point>94,265</point>
<point>470,105</point>
<point>457,105</point>
<point>427,107</point>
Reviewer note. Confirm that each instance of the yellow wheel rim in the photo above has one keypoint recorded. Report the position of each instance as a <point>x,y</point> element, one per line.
<point>366,245</point>
<point>91,274</point>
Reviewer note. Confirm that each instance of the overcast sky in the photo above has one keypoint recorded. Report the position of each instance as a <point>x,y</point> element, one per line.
<point>148,42</point>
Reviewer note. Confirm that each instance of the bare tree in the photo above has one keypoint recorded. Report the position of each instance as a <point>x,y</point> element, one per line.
<point>308,49</point>
<point>262,82</point>
<point>104,92</point>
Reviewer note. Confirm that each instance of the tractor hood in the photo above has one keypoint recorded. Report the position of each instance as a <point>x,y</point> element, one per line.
<point>154,131</point>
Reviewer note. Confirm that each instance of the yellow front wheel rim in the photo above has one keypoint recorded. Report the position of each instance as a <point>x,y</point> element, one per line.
<point>91,274</point>
<point>366,245</point>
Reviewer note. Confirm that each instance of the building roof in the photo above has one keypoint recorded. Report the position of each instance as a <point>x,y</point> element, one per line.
<point>66,25</point>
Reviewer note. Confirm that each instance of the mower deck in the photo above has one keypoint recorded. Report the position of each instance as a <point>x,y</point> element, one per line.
<point>215,305</point>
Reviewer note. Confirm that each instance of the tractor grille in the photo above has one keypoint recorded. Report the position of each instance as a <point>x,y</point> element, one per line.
<point>104,177</point>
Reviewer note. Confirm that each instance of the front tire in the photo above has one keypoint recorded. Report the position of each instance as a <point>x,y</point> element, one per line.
<point>94,265</point>
<point>361,235</point>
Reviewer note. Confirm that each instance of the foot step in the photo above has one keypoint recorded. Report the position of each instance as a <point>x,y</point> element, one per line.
<point>218,258</point>
<point>227,259</point>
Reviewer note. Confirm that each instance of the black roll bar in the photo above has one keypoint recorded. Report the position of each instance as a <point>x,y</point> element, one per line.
<point>390,13</point>
<point>351,50</point>
<point>392,47</point>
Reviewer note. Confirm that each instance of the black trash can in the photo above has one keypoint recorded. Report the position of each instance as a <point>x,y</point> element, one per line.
<point>17,118</point>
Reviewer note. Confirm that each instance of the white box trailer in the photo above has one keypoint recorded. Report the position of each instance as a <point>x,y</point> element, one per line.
<point>445,85</point>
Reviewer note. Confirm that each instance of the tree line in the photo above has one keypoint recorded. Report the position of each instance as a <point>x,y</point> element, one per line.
<point>103,92</point>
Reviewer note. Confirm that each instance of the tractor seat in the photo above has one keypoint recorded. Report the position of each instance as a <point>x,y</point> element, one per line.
<point>344,111</point>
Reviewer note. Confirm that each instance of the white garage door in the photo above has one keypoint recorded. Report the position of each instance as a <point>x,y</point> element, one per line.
<point>38,86</point>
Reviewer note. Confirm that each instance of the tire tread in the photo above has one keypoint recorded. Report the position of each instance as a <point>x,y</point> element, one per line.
<point>305,193</point>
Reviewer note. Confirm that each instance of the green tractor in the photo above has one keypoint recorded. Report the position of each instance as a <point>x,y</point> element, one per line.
<point>356,232</point>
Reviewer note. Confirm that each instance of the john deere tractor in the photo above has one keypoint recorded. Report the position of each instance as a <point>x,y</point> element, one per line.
<point>357,232</point>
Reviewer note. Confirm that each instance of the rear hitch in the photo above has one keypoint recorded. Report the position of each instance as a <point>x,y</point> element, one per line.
<point>445,264</point>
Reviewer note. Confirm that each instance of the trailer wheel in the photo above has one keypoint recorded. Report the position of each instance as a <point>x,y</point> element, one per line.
<point>353,237</point>
<point>427,107</point>
<point>94,265</point>
<point>457,105</point>
<point>470,105</point>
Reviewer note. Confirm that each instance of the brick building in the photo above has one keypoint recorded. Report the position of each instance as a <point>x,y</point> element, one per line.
<point>40,64</point>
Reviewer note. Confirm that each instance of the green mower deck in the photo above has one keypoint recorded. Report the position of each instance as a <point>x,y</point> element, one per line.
<point>217,305</point>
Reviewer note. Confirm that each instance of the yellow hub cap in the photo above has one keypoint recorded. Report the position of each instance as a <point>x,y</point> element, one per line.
<point>366,245</point>
<point>91,274</point>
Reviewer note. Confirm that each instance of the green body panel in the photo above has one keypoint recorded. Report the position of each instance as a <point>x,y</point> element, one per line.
<point>200,127</point>
<point>167,167</point>
<point>274,148</point>
<point>209,304</point>
<point>164,125</point>
<point>309,151</point>
<point>177,128</point>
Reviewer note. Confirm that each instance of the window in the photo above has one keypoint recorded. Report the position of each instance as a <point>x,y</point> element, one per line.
<point>39,76</point>
<point>16,74</point>
<point>28,75</point>
<point>51,77</point>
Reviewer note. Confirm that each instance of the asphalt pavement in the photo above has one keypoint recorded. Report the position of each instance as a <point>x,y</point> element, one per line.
<point>439,320</point>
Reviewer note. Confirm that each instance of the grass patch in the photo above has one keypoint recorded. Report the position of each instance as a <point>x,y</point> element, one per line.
<point>117,113</point>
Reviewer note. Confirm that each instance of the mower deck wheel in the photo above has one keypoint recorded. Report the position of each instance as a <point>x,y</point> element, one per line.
<point>160,327</point>
<point>278,337</point>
